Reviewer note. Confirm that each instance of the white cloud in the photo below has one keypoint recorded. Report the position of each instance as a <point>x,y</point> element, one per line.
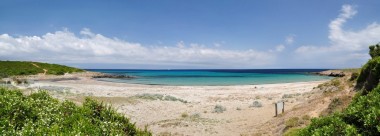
<point>289,39</point>
<point>66,47</point>
<point>345,45</point>
<point>280,48</point>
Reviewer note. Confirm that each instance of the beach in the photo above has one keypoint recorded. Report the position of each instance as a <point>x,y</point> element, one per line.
<point>188,110</point>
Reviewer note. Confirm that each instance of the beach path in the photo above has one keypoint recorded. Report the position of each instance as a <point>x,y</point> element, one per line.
<point>45,70</point>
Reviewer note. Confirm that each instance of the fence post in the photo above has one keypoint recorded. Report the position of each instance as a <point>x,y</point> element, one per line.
<point>275,107</point>
<point>283,107</point>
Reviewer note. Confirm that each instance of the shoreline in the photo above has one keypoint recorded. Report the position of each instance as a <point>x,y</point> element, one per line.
<point>213,85</point>
<point>187,110</point>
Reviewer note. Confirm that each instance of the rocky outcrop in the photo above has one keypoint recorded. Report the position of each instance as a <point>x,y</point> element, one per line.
<point>332,73</point>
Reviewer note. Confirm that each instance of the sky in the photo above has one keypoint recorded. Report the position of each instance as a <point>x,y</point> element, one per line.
<point>192,34</point>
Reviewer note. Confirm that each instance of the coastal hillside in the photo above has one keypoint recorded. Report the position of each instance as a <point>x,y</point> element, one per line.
<point>13,68</point>
<point>363,113</point>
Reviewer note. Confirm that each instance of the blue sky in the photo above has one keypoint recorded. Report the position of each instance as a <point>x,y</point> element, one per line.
<point>190,34</point>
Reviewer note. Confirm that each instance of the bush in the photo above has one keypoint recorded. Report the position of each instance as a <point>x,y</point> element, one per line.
<point>40,114</point>
<point>256,104</point>
<point>292,132</point>
<point>332,125</point>
<point>184,115</point>
<point>219,109</point>
<point>374,50</point>
<point>292,122</point>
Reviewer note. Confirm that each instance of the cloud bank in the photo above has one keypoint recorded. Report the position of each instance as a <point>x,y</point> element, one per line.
<point>66,47</point>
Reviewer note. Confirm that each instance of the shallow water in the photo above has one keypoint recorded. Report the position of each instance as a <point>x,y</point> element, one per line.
<point>214,77</point>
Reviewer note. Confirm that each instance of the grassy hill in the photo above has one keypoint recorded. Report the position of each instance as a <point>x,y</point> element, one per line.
<point>12,68</point>
<point>40,114</point>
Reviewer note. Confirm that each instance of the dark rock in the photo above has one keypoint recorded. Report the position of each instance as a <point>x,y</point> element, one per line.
<point>111,76</point>
<point>332,73</point>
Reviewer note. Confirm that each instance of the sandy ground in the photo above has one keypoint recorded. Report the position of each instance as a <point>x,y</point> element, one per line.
<point>188,110</point>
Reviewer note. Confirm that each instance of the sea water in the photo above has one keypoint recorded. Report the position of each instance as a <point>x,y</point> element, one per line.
<point>213,77</point>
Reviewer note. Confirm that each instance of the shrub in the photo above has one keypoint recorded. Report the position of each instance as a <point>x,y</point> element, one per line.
<point>184,115</point>
<point>219,109</point>
<point>374,50</point>
<point>292,132</point>
<point>331,125</point>
<point>256,104</point>
<point>292,122</point>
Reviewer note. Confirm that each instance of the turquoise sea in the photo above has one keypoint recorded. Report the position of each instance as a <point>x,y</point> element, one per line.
<point>214,77</point>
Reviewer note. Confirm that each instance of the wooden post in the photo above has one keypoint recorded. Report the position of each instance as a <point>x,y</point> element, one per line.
<point>283,107</point>
<point>275,107</point>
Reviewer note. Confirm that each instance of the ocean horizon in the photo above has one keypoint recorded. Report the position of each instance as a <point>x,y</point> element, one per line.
<point>212,77</point>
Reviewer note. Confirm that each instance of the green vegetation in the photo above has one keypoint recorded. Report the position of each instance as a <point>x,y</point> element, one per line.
<point>14,68</point>
<point>337,105</point>
<point>333,85</point>
<point>292,132</point>
<point>362,116</point>
<point>374,50</point>
<point>55,69</point>
<point>294,123</point>
<point>369,75</point>
<point>40,114</point>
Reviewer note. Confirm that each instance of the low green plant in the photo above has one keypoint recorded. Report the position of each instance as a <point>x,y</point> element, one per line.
<point>40,114</point>
<point>292,122</point>
<point>219,109</point>
<point>292,132</point>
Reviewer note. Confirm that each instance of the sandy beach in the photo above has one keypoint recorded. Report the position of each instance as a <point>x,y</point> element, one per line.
<point>188,110</point>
